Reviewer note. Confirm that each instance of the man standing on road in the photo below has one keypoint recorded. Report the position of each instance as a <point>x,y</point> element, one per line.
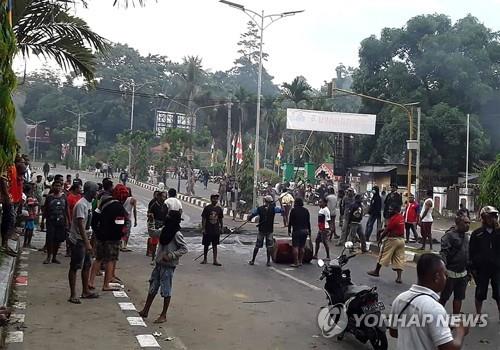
<point>222,191</point>
<point>211,227</point>
<point>426,221</point>
<point>392,245</point>
<point>411,218</point>
<point>81,248</point>
<point>266,214</point>
<point>324,219</point>
<point>484,253</point>
<point>286,200</point>
<point>77,180</point>
<point>393,199</point>
<point>157,210</point>
<point>374,212</point>
<point>299,226</point>
<point>422,301</point>
<point>123,177</point>
<point>347,202</point>
<point>172,202</point>
<point>68,183</point>
<point>38,190</point>
<point>455,254</point>
<point>56,216</point>
<point>130,205</point>
<point>331,203</point>
<point>355,217</point>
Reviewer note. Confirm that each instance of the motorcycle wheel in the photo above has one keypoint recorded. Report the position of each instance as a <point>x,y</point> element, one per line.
<point>380,340</point>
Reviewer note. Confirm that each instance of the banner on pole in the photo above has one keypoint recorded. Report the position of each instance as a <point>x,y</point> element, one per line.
<point>347,123</point>
<point>81,139</point>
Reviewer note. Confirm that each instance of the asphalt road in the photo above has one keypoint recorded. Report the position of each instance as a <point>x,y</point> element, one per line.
<point>235,306</point>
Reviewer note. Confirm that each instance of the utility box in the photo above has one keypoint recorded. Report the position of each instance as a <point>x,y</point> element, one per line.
<point>287,172</point>
<point>310,172</point>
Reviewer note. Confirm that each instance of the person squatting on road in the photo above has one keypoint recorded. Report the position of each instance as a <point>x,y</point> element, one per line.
<point>171,247</point>
<point>299,227</point>
<point>392,241</point>
<point>323,228</point>
<point>266,215</point>
<point>455,254</point>
<point>421,302</point>
<point>374,212</point>
<point>411,218</point>
<point>354,223</point>
<point>80,247</point>
<point>484,254</point>
<point>211,228</point>
<point>109,222</point>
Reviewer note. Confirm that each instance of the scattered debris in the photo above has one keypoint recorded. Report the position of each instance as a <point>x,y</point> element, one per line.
<point>484,341</point>
<point>257,302</point>
<point>169,338</point>
<point>157,334</point>
<point>315,336</point>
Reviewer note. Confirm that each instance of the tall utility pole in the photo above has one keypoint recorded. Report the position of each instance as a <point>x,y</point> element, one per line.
<point>228,150</point>
<point>79,151</point>
<point>417,165</point>
<point>124,86</point>
<point>35,140</point>
<point>259,19</point>
<point>467,155</point>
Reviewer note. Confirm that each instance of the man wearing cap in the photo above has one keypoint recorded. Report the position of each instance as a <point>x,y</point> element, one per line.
<point>484,254</point>
<point>393,199</point>
<point>211,227</point>
<point>266,214</point>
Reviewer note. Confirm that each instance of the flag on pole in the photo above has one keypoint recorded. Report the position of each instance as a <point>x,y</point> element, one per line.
<point>212,153</point>
<point>233,150</point>
<point>239,150</point>
<point>279,155</point>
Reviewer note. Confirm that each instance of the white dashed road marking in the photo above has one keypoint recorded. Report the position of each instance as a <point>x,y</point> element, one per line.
<point>304,283</point>
<point>120,294</point>
<point>147,341</point>
<point>14,337</point>
<point>127,306</point>
<point>136,321</point>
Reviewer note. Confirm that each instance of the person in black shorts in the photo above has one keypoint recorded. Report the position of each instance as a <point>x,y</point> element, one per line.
<point>299,226</point>
<point>57,220</point>
<point>454,251</point>
<point>212,218</point>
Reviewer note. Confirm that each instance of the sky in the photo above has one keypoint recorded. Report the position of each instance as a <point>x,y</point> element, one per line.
<point>309,44</point>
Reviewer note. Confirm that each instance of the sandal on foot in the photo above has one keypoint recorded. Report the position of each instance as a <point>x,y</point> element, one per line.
<point>373,273</point>
<point>74,301</point>
<point>90,296</point>
<point>251,263</point>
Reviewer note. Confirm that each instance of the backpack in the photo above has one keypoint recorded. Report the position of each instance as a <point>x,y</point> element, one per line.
<point>57,211</point>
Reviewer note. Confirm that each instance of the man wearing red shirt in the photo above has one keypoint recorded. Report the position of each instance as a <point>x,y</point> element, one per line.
<point>392,249</point>
<point>411,218</point>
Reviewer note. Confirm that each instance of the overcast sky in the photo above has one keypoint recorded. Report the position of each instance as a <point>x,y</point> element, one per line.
<point>310,44</point>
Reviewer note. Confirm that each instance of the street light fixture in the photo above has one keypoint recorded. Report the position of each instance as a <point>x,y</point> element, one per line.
<point>259,19</point>
<point>34,141</point>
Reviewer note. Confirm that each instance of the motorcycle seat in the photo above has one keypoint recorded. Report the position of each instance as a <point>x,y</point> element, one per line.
<point>355,290</point>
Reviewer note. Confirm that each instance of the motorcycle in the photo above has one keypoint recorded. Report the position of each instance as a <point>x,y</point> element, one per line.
<point>357,301</point>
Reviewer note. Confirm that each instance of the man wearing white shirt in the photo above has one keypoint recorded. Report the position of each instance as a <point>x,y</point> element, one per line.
<point>172,202</point>
<point>422,301</point>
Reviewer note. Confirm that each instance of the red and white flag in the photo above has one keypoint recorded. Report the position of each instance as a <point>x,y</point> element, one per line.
<point>239,150</point>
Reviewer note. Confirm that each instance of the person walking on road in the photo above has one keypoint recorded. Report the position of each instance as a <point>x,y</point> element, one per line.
<point>393,199</point>
<point>46,170</point>
<point>266,213</point>
<point>130,205</point>
<point>392,241</point>
<point>347,202</point>
<point>299,227</point>
<point>484,253</point>
<point>286,200</point>
<point>355,217</point>
<point>374,212</point>
<point>123,177</point>
<point>157,210</point>
<point>211,227</point>
<point>222,191</point>
<point>341,206</point>
<point>172,246</point>
<point>411,218</point>
<point>426,221</point>
<point>172,202</point>
<point>81,249</point>
<point>38,188</point>
<point>331,203</point>
<point>455,254</point>
<point>420,303</point>
<point>324,219</point>
<point>56,217</point>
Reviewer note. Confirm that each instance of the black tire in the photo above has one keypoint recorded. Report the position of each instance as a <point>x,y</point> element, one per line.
<point>380,340</point>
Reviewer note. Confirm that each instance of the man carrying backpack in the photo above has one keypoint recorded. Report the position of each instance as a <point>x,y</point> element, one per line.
<point>56,217</point>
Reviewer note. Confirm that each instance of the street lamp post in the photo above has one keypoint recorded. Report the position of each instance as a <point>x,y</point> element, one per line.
<point>34,141</point>
<point>134,87</point>
<point>259,20</point>
<point>79,152</point>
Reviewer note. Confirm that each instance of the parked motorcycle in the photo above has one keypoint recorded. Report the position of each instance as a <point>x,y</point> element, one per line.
<point>357,300</point>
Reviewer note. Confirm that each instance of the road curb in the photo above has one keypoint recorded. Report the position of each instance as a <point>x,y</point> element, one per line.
<point>7,269</point>
<point>196,201</point>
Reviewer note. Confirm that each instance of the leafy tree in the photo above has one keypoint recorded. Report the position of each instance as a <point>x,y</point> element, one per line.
<point>490,185</point>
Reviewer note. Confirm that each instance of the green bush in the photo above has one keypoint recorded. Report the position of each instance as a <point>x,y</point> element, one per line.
<point>490,185</point>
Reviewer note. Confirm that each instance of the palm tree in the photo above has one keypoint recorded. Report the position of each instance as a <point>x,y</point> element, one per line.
<point>46,29</point>
<point>298,91</point>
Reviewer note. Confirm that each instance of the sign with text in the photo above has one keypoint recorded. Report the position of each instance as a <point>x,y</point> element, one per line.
<point>81,138</point>
<point>346,123</point>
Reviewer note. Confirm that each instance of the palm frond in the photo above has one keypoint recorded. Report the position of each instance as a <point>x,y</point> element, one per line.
<point>126,3</point>
<point>45,29</point>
